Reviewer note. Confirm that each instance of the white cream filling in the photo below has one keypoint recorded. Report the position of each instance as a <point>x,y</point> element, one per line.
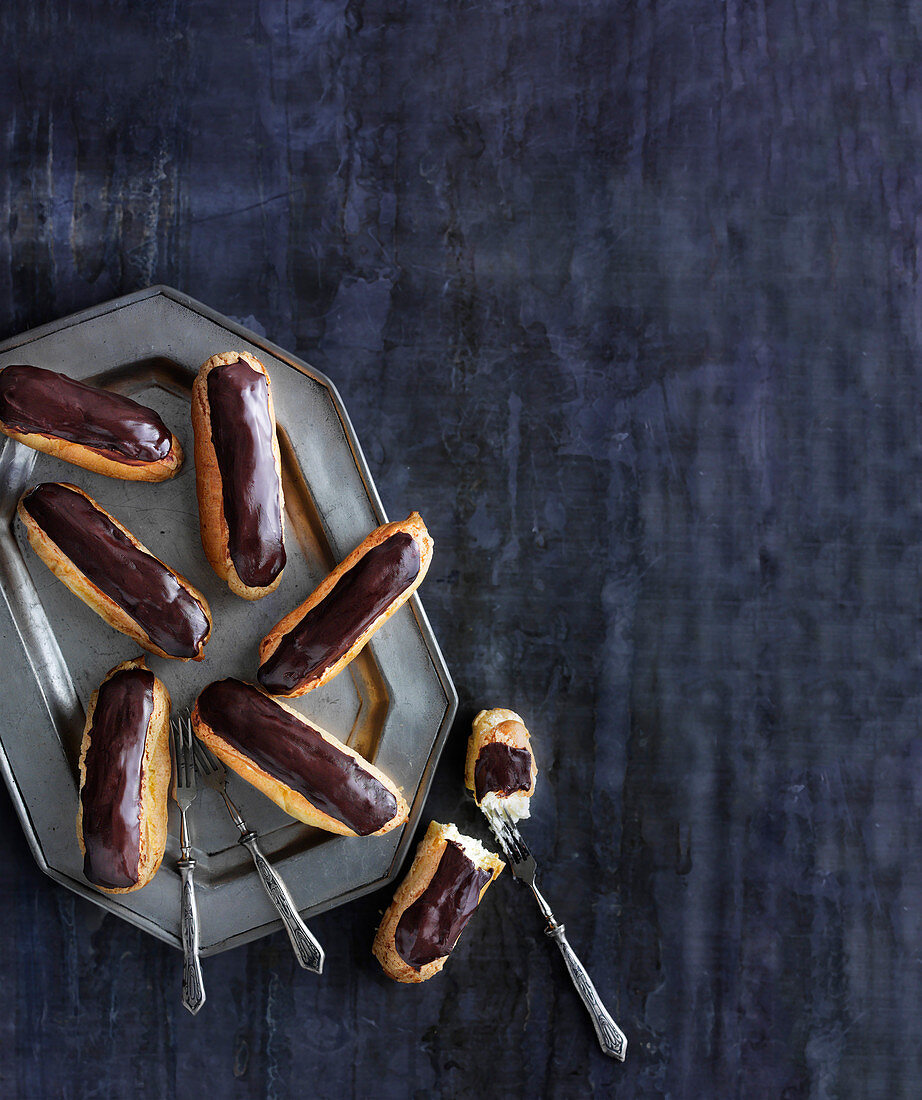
<point>471,847</point>
<point>517,805</point>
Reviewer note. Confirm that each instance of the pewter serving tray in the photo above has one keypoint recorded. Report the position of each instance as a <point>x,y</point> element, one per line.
<point>394,704</point>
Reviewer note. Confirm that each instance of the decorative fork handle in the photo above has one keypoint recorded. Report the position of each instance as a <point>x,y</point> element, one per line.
<point>611,1038</point>
<point>307,950</point>
<point>193,987</point>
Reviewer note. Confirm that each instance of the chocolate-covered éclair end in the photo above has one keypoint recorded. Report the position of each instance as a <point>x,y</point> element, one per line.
<point>113,766</point>
<point>501,769</point>
<point>243,433</point>
<point>140,584</point>
<point>36,401</point>
<point>292,752</point>
<point>429,928</point>
<point>331,627</point>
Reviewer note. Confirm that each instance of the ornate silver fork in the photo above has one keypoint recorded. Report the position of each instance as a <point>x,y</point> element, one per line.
<point>193,987</point>
<point>522,863</point>
<point>307,950</point>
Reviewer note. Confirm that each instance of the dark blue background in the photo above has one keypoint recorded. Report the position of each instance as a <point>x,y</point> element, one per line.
<point>624,298</point>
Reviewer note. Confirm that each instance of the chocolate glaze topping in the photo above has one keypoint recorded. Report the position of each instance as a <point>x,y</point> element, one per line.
<point>331,627</point>
<point>242,432</point>
<point>38,401</point>
<point>140,584</point>
<point>430,927</point>
<point>502,769</point>
<point>297,755</point>
<point>111,794</point>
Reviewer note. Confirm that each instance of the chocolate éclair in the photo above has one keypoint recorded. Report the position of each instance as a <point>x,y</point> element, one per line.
<point>314,777</point>
<point>124,779</point>
<point>432,906</point>
<point>104,565</point>
<point>238,473</point>
<point>500,768</point>
<point>90,427</point>
<point>316,641</point>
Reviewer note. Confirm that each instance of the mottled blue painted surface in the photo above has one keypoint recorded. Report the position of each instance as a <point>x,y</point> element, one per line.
<point>624,298</point>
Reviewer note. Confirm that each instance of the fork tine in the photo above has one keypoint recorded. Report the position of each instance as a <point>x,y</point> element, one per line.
<point>510,823</point>
<point>521,848</point>
<point>515,847</point>
<point>190,752</point>
<point>185,768</point>
<point>209,755</point>
<point>203,760</point>
<point>176,746</point>
<point>174,755</point>
<point>505,840</point>
<point>505,847</point>
<point>184,756</point>
<point>176,742</point>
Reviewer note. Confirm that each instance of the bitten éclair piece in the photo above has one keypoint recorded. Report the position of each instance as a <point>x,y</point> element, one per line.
<point>124,779</point>
<point>500,768</point>
<point>448,878</point>
<point>238,473</point>
<point>319,638</point>
<point>104,565</point>
<point>94,428</point>
<point>309,773</point>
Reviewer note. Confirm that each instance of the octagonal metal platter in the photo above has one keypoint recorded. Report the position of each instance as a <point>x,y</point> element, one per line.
<point>394,704</point>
